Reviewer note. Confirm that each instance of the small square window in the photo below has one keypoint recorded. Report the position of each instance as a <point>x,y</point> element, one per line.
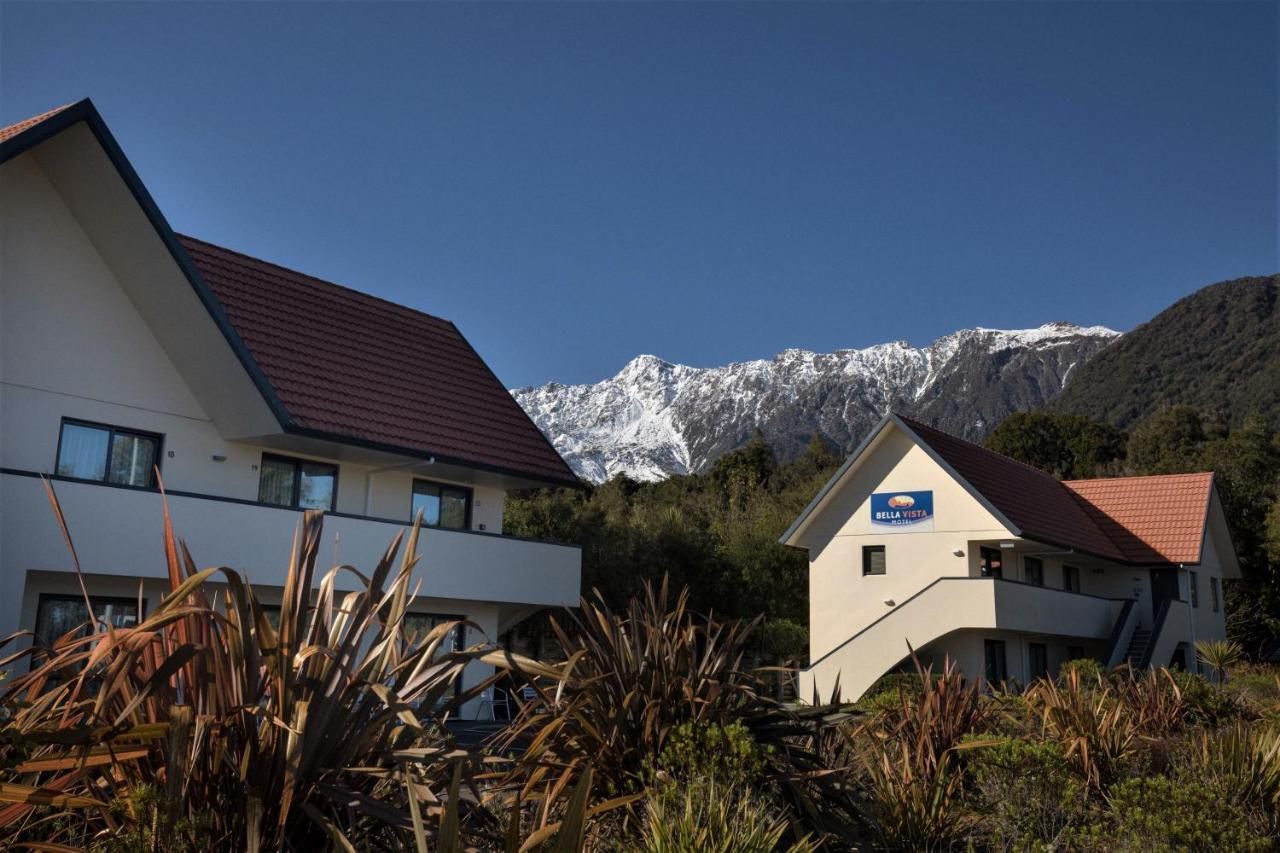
<point>873,560</point>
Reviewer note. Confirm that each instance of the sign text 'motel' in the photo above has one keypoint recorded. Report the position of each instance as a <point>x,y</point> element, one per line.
<point>913,510</point>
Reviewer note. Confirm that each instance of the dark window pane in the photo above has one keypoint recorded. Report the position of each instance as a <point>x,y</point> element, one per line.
<point>426,498</point>
<point>317,486</point>
<point>83,452</point>
<point>997,670</point>
<point>1035,571</point>
<point>275,482</point>
<point>1070,578</point>
<point>418,625</point>
<point>873,562</point>
<point>1039,654</point>
<point>133,459</point>
<point>56,615</point>
<point>453,509</point>
<point>991,562</point>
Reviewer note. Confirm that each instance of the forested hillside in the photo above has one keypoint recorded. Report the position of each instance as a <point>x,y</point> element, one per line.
<point>1217,350</point>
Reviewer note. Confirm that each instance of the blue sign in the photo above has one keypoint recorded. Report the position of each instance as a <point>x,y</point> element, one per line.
<point>906,510</point>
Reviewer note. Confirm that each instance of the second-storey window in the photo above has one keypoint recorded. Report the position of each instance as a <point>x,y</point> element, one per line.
<point>873,560</point>
<point>299,483</point>
<point>442,505</point>
<point>991,562</point>
<point>1034,568</point>
<point>89,451</point>
<point>1070,578</point>
<point>1195,589</point>
<point>1213,593</point>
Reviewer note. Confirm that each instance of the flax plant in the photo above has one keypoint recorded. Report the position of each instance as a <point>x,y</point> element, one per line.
<point>325,730</point>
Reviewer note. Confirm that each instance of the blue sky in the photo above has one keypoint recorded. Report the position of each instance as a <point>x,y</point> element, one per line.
<point>577,183</point>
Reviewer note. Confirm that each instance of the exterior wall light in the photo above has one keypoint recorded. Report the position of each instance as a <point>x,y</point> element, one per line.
<point>889,602</point>
<point>218,457</point>
<point>959,552</point>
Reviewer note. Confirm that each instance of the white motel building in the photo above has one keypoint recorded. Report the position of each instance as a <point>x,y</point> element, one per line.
<point>257,391</point>
<point>924,541</point>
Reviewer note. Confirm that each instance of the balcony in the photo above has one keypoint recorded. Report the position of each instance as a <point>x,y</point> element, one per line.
<point>951,604</point>
<point>118,531</point>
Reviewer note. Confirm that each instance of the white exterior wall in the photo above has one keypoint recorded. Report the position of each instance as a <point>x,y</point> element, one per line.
<point>859,625</point>
<point>843,601</point>
<point>74,345</point>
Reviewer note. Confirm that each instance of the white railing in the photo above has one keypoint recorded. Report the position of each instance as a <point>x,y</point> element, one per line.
<point>118,531</point>
<point>951,604</point>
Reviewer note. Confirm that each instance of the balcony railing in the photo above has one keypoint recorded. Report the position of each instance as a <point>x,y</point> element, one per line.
<point>118,531</point>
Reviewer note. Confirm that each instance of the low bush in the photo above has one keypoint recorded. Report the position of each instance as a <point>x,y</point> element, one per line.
<point>1157,814</point>
<point>708,817</point>
<point>1026,793</point>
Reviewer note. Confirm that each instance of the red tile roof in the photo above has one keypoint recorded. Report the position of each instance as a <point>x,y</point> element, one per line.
<point>1151,519</point>
<point>1141,520</point>
<point>355,367</point>
<point>7,133</point>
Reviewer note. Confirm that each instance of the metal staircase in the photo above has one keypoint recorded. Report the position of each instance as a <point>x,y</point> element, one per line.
<point>1138,645</point>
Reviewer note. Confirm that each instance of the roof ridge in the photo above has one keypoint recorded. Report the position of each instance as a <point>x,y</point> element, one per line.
<point>912,422</point>
<point>1139,477</point>
<point>398,306</point>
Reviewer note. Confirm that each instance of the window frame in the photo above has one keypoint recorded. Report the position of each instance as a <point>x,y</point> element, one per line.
<point>986,571</point>
<point>1193,584</point>
<point>470,501</point>
<point>41,598</point>
<point>990,645</point>
<point>1033,671</point>
<point>867,551</point>
<point>297,462</point>
<point>111,430</point>
<point>1215,594</point>
<point>1027,562</point>
<point>1070,573</point>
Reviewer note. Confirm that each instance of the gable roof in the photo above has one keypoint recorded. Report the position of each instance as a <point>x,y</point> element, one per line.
<point>333,363</point>
<point>1138,520</point>
<point>350,366</point>
<point>1151,519</point>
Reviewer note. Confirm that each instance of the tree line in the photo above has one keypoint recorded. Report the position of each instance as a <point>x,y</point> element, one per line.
<point>717,532</point>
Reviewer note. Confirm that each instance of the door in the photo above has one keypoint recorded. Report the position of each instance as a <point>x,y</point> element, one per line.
<point>1164,586</point>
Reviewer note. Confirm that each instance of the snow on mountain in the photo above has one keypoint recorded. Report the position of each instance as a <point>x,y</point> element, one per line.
<point>654,418</point>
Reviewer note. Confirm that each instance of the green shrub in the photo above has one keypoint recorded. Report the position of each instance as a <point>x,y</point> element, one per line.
<point>1240,764</point>
<point>703,816</point>
<point>1027,793</point>
<point>1206,702</point>
<point>726,755</point>
<point>1159,814</point>
<point>1089,670</point>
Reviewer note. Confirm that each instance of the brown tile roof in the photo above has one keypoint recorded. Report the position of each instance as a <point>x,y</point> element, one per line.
<point>1151,519</point>
<point>1142,520</point>
<point>7,133</point>
<point>355,367</point>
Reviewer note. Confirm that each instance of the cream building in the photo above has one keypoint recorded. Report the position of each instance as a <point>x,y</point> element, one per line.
<point>924,541</point>
<point>257,391</point>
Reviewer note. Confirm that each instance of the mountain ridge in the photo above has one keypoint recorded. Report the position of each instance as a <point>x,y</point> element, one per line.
<point>655,418</point>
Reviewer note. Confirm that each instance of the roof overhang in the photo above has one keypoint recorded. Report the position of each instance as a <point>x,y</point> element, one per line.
<point>79,157</point>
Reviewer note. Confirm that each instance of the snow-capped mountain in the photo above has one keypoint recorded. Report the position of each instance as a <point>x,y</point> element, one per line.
<point>654,418</point>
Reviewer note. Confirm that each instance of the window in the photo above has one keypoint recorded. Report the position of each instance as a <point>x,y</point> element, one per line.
<point>297,483</point>
<point>441,505</point>
<point>992,562</point>
<point>108,454</point>
<point>420,624</point>
<point>56,615</point>
<point>1213,593</point>
<point>997,669</point>
<point>1070,578</point>
<point>1034,568</point>
<point>873,560</point>
<point>1038,660</point>
<point>1194,580</point>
